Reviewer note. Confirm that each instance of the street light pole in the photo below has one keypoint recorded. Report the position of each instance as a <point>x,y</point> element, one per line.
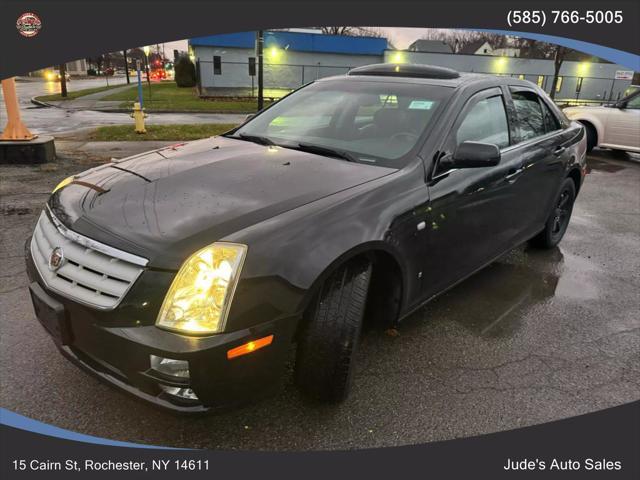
<point>259,53</point>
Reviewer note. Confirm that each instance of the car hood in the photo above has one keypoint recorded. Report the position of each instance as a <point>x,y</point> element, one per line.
<point>166,204</point>
<point>585,109</point>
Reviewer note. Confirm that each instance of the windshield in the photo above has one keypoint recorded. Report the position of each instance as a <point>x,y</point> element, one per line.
<point>362,121</point>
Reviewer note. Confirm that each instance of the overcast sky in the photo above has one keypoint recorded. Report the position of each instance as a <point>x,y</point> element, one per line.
<point>399,37</point>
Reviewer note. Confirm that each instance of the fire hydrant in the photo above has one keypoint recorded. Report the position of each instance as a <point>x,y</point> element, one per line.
<point>138,116</point>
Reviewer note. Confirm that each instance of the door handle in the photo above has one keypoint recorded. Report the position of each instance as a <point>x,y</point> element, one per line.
<point>513,174</point>
<point>559,151</point>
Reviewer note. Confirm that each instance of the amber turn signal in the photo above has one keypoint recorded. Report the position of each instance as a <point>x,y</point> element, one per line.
<point>249,347</point>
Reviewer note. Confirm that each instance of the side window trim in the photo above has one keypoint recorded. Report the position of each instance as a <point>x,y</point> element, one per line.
<point>472,102</point>
<point>468,105</point>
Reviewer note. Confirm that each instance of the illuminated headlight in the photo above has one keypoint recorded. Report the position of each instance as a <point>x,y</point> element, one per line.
<point>200,295</point>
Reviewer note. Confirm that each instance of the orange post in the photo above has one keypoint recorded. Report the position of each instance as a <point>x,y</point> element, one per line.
<point>15,129</point>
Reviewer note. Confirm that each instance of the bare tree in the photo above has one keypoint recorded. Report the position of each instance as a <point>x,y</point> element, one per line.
<point>558,58</point>
<point>98,60</point>
<point>353,31</point>
<point>337,30</point>
<point>458,39</point>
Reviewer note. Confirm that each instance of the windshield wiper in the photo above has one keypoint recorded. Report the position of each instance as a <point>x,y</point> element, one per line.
<point>325,151</point>
<point>253,138</point>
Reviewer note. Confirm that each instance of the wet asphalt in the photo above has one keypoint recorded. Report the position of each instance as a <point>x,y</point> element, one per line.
<point>535,337</point>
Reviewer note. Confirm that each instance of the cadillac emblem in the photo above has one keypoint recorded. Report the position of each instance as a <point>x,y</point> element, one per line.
<point>56,259</point>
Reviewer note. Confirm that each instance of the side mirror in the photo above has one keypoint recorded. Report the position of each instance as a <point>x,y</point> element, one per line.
<point>474,155</point>
<point>622,104</point>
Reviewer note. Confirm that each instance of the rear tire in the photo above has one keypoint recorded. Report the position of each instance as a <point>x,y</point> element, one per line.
<point>559,218</point>
<point>331,331</point>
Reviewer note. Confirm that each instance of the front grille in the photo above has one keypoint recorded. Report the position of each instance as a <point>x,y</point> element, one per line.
<point>87,274</point>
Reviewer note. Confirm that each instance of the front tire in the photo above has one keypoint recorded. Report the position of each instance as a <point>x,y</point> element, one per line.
<point>331,331</point>
<point>558,220</point>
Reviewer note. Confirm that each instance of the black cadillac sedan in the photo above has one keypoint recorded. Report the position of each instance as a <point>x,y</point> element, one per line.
<point>185,275</point>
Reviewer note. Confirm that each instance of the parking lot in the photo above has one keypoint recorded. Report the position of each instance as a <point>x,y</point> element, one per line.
<point>535,337</point>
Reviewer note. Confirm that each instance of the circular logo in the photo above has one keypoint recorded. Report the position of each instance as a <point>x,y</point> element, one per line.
<point>56,259</point>
<point>28,24</point>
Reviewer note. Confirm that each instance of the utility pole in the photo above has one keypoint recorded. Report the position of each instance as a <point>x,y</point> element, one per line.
<point>259,49</point>
<point>63,80</point>
<point>126,66</point>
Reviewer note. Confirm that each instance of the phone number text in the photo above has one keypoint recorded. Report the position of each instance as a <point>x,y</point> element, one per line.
<point>540,17</point>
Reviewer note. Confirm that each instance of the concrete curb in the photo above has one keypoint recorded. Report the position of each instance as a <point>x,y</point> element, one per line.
<point>41,103</point>
<point>215,112</point>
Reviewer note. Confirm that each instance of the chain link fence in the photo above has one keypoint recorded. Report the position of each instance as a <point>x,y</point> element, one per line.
<point>239,79</point>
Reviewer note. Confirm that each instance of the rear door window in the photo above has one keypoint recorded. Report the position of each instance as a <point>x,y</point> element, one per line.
<point>530,120</point>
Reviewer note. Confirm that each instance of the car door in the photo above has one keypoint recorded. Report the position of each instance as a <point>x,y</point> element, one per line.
<point>540,144</point>
<point>623,125</point>
<point>470,210</point>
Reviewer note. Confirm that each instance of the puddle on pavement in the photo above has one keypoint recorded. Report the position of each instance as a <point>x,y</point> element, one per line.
<point>493,302</point>
<point>577,280</point>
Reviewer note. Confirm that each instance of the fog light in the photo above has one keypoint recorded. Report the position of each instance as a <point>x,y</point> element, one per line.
<point>181,392</point>
<point>170,366</point>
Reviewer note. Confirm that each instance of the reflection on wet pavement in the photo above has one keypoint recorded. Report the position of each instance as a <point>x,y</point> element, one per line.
<point>496,297</point>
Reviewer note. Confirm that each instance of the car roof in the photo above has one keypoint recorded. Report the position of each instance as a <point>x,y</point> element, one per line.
<point>462,79</point>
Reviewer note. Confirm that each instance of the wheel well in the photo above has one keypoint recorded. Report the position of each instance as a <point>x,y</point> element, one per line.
<point>385,289</point>
<point>588,125</point>
<point>574,175</point>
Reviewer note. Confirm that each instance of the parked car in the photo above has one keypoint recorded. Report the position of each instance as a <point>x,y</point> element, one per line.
<point>183,275</point>
<point>616,126</point>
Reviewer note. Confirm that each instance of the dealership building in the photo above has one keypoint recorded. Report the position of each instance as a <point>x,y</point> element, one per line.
<point>226,63</point>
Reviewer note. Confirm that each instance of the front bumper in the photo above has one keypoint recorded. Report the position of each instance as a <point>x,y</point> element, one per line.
<point>120,355</point>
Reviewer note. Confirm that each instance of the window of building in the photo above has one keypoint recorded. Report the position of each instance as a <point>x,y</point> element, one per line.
<point>485,122</point>
<point>540,81</point>
<point>559,84</point>
<point>530,119</point>
<point>217,65</point>
<point>521,76</point>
